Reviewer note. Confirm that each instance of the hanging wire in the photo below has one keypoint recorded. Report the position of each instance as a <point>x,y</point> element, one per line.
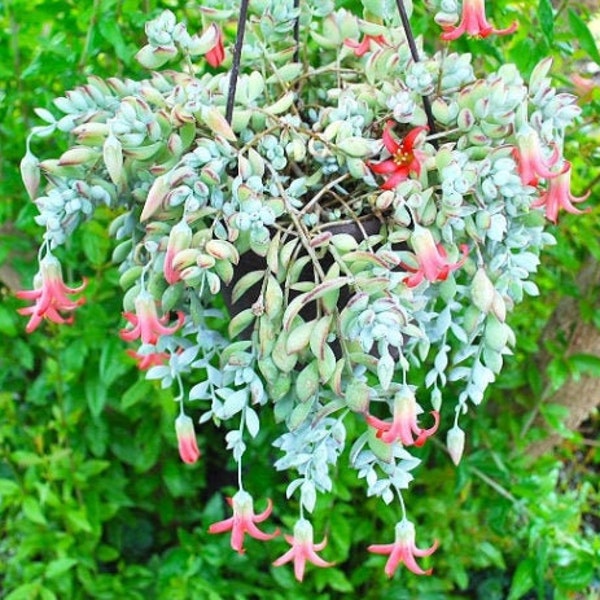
<point>297,32</point>
<point>415,55</point>
<point>237,57</point>
<point>239,41</point>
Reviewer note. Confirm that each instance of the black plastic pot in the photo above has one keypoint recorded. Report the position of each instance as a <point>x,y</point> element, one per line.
<point>250,262</point>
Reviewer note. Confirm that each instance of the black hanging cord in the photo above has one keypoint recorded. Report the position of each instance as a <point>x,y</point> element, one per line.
<point>415,54</point>
<point>297,32</point>
<point>237,57</point>
<point>239,41</point>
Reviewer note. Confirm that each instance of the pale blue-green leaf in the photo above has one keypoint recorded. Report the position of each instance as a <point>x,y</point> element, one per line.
<point>252,422</point>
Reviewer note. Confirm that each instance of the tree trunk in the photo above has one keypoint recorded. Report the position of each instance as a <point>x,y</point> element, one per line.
<point>581,395</point>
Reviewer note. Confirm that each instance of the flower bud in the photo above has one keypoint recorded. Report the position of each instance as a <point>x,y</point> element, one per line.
<point>216,55</point>
<point>30,173</point>
<point>180,239</point>
<point>186,439</point>
<point>455,441</point>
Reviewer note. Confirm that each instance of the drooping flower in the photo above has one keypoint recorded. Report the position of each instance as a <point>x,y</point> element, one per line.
<point>558,195</point>
<point>362,47</point>
<point>243,521</point>
<point>303,549</point>
<point>146,323</point>
<point>404,426</point>
<point>403,550</point>
<point>583,85</point>
<point>50,295</point>
<point>180,238</point>
<point>405,159</point>
<point>474,23</point>
<point>530,158</point>
<point>148,360</point>
<point>431,257</point>
<point>216,55</point>
<point>186,439</point>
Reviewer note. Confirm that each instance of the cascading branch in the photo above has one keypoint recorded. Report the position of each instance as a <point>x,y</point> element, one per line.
<point>368,251</point>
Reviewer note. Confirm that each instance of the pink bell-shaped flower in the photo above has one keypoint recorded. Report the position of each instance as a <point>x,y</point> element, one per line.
<point>146,324</point>
<point>50,295</point>
<point>404,424</point>
<point>243,521</point>
<point>558,195</point>
<point>403,550</point>
<point>530,158</point>
<point>474,23</point>
<point>432,258</point>
<point>362,47</point>
<point>303,549</point>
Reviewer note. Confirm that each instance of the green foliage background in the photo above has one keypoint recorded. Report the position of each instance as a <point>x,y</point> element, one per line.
<point>94,501</point>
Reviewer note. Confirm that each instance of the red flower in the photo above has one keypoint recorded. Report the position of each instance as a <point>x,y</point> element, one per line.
<point>146,324</point>
<point>50,295</point>
<point>583,86</point>
<point>432,258</point>
<point>303,549</point>
<point>474,23</point>
<point>216,55</point>
<point>243,521</point>
<point>186,439</point>
<point>403,550</point>
<point>361,48</point>
<point>530,159</point>
<point>404,423</point>
<point>558,195</point>
<point>151,359</point>
<point>405,158</point>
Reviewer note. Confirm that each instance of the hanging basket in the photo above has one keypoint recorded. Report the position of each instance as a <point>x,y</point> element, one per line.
<point>251,263</point>
<point>380,306</point>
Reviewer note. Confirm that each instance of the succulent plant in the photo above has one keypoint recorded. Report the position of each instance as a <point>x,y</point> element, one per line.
<point>369,213</point>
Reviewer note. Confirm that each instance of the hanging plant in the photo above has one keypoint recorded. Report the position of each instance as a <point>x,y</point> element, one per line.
<point>364,217</point>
